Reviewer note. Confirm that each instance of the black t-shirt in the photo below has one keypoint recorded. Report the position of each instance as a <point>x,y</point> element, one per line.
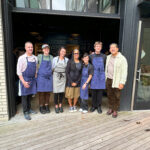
<point>73,73</point>
<point>90,69</point>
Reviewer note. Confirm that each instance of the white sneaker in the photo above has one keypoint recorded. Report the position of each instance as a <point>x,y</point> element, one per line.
<point>85,111</point>
<point>71,109</point>
<point>74,108</point>
<point>80,110</point>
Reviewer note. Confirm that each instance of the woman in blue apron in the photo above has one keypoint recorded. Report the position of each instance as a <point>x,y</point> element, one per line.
<point>45,79</point>
<point>98,80</point>
<point>87,72</point>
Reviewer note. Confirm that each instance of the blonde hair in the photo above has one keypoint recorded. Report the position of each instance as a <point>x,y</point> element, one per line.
<point>98,43</point>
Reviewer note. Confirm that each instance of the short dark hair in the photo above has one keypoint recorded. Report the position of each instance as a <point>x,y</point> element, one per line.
<point>85,55</point>
<point>114,44</point>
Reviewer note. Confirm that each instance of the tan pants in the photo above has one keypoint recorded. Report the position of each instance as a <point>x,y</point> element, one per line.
<point>72,92</point>
<point>113,95</point>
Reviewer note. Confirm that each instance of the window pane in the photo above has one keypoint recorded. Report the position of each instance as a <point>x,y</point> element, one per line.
<point>59,4</point>
<point>20,3</point>
<point>92,6</point>
<point>144,82</point>
<point>108,6</point>
<point>69,5</point>
<point>42,4</point>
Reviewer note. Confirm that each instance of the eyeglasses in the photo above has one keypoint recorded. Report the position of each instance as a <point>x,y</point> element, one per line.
<point>76,53</point>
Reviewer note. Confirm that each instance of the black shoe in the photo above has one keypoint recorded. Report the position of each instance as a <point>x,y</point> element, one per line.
<point>92,109</point>
<point>32,112</point>
<point>42,110</point>
<point>61,109</point>
<point>56,110</point>
<point>27,116</point>
<point>47,109</point>
<point>99,110</point>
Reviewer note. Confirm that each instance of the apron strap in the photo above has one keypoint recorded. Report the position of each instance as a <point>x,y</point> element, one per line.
<point>58,59</point>
<point>42,57</point>
<point>27,59</point>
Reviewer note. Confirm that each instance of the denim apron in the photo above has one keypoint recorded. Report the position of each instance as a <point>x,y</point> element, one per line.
<point>45,78</point>
<point>84,92</point>
<point>98,79</point>
<point>29,76</point>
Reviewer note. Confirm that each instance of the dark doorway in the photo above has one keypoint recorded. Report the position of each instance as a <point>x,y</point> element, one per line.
<point>68,31</point>
<point>64,30</point>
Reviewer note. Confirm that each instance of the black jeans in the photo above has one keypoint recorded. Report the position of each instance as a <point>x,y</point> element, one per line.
<point>84,104</point>
<point>58,98</point>
<point>97,98</point>
<point>26,103</point>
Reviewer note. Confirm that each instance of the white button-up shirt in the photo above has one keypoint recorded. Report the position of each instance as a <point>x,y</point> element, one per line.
<point>22,63</point>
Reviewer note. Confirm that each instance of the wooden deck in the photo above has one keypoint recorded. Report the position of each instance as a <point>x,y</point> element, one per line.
<point>68,131</point>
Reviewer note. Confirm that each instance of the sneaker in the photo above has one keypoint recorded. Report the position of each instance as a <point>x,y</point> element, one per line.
<point>74,108</point>
<point>27,116</point>
<point>32,111</point>
<point>85,111</point>
<point>80,110</point>
<point>71,109</point>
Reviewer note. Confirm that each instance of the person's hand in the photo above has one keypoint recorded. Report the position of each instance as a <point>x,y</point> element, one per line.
<point>26,84</point>
<point>74,84</point>
<point>36,75</point>
<point>121,86</point>
<point>84,86</point>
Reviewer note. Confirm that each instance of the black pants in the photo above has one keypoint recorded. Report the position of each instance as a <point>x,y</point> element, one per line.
<point>58,98</point>
<point>97,98</point>
<point>84,104</point>
<point>26,103</point>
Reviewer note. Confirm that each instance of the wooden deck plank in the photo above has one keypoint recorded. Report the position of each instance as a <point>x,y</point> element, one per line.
<point>64,142</point>
<point>69,125</point>
<point>145,145</point>
<point>107,138</point>
<point>75,131</point>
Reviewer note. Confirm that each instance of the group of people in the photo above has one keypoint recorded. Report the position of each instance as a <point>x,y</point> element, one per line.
<point>71,78</point>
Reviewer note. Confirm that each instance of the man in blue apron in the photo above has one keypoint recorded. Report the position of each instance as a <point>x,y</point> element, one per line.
<point>98,80</point>
<point>26,70</point>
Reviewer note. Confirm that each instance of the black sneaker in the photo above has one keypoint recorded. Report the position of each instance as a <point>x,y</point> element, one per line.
<point>47,109</point>
<point>27,116</point>
<point>61,109</point>
<point>92,109</point>
<point>42,110</point>
<point>56,110</point>
<point>99,110</point>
